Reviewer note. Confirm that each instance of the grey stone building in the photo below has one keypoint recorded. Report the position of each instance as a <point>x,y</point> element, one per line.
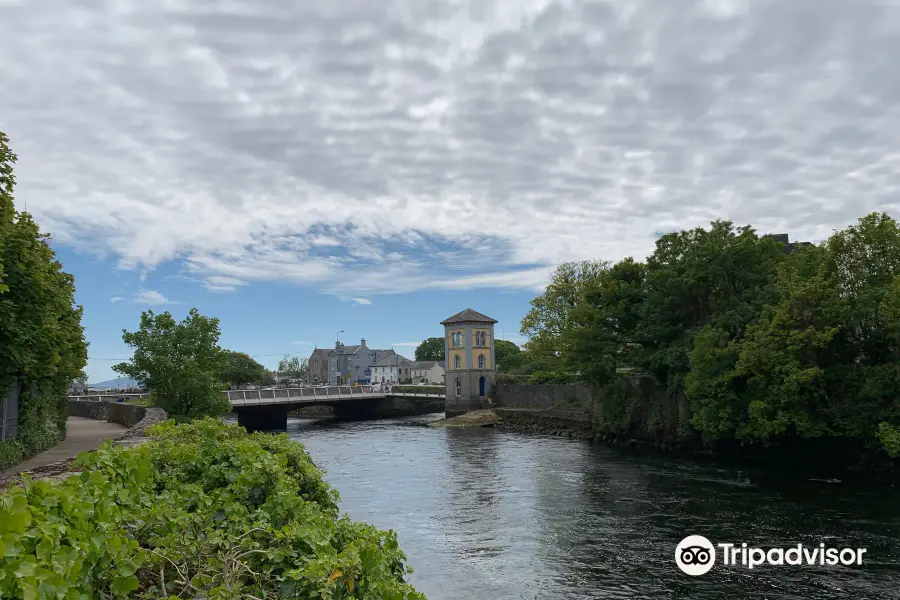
<point>469,353</point>
<point>317,366</point>
<point>353,364</point>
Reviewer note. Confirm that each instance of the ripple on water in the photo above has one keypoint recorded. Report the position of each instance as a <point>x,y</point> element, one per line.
<point>488,515</point>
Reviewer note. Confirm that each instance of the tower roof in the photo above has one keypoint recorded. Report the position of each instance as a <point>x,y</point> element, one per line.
<point>468,316</point>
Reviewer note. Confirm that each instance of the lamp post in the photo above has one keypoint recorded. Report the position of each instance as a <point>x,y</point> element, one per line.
<point>340,373</point>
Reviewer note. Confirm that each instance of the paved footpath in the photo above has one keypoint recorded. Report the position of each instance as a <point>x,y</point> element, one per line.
<point>83,434</point>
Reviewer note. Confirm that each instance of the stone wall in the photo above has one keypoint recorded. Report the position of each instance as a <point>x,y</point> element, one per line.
<point>631,408</point>
<point>576,396</point>
<point>135,417</point>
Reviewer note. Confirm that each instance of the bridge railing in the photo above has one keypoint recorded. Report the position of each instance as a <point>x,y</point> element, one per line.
<point>286,395</point>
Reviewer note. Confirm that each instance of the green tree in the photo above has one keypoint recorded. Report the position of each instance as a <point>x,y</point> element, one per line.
<point>293,365</point>
<point>430,349</point>
<point>550,317</point>
<point>243,370</point>
<point>42,345</point>
<point>507,355</point>
<point>180,363</point>
<point>603,333</point>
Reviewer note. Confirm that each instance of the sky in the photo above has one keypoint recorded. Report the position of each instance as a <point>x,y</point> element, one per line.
<point>298,169</point>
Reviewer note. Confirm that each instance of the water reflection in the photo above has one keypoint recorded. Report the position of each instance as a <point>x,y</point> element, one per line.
<point>485,514</point>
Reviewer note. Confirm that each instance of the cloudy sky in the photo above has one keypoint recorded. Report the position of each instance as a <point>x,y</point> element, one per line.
<point>289,159</point>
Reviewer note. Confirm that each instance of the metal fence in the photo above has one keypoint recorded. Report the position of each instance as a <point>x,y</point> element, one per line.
<point>9,413</point>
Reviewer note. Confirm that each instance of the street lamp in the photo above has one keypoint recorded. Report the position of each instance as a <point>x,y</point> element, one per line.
<point>340,373</point>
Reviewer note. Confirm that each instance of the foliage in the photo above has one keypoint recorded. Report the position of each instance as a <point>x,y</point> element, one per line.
<point>204,511</point>
<point>181,363</point>
<point>293,365</point>
<point>241,369</point>
<point>42,345</point>
<point>430,349</point>
<point>550,317</point>
<point>766,345</point>
<point>507,355</point>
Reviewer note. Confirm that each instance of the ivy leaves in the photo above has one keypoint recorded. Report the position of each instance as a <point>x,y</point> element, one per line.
<point>203,510</point>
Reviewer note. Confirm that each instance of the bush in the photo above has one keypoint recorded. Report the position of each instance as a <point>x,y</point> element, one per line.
<point>202,510</point>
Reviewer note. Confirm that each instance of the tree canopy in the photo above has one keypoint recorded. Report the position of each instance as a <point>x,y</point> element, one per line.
<point>765,344</point>
<point>506,354</point>
<point>430,349</point>
<point>293,365</point>
<point>180,362</point>
<point>241,369</point>
<point>42,345</point>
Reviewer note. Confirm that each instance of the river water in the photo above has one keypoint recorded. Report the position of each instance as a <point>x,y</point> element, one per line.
<point>485,514</point>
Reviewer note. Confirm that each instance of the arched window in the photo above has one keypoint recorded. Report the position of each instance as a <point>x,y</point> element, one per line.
<point>458,387</point>
<point>481,338</point>
<point>481,361</point>
<point>456,362</point>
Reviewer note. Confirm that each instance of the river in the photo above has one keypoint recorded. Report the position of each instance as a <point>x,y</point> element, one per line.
<point>485,514</point>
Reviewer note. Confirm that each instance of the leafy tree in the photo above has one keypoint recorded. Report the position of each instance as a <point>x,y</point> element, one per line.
<point>430,349</point>
<point>181,363</point>
<point>550,317</point>
<point>507,355</point>
<point>242,370</point>
<point>293,365</point>
<point>42,345</point>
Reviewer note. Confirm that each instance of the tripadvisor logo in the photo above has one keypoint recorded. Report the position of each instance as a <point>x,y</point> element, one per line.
<point>695,555</point>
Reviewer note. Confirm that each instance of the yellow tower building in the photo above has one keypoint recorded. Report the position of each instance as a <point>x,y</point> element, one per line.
<point>469,360</point>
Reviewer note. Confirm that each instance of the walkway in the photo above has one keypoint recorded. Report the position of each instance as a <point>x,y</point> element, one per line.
<point>83,434</point>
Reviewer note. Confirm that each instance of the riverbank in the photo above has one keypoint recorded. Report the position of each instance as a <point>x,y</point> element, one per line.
<point>203,506</point>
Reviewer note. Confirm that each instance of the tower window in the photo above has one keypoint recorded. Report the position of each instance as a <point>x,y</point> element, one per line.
<point>456,339</point>
<point>456,362</point>
<point>481,338</point>
<point>458,387</point>
<point>481,361</point>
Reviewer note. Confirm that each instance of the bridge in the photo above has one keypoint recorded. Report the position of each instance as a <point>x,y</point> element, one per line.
<point>267,409</point>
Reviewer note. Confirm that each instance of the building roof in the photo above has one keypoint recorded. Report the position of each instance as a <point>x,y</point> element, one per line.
<point>468,316</point>
<point>391,360</point>
<point>425,365</point>
<point>320,353</point>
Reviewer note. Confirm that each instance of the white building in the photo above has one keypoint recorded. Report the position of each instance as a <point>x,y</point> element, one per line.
<point>428,371</point>
<point>391,369</point>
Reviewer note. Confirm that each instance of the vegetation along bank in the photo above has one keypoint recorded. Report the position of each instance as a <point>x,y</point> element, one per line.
<point>728,341</point>
<point>201,510</point>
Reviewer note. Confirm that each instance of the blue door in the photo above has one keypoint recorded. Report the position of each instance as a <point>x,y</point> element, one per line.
<point>481,387</point>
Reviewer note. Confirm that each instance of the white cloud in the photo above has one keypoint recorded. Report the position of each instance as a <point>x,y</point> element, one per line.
<point>218,283</point>
<point>442,145</point>
<point>115,299</point>
<point>362,300</point>
<point>407,344</point>
<point>153,298</point>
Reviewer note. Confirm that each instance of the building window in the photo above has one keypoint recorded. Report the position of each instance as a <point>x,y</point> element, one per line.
<point>481,338</point>
<point>481,361</point>
<point>456,362</point>
<point>357,367</point>
<point>458,387</point>
<point>456,339</point>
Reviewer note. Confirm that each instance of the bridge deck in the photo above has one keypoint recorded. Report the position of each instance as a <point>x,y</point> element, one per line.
<point>307,395</point>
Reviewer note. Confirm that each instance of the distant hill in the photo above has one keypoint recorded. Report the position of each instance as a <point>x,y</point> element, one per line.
<point>122,382</point>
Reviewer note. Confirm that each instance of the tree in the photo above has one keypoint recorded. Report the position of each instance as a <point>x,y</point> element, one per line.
<point>507,355</point>
<point>293,365</point>
<point>430,349</point>
<point>550,317</point>
<point>243,370</point>
<point>42,345</point>
<point>180,363</point>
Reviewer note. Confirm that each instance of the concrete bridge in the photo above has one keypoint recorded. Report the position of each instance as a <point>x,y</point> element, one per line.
<point>267,409</point>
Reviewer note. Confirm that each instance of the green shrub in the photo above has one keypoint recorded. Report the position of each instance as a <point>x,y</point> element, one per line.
<point>202,510</point>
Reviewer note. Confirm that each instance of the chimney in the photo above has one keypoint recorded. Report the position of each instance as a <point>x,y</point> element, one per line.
<point>362,342</point>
